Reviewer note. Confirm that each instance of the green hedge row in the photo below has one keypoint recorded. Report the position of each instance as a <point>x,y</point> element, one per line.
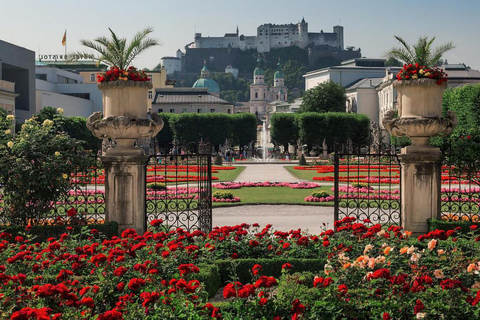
<point>312,128</point>
<point>434,224</point>
<point>240,129</point>
<point>271,267</point>
<point>42,233</point>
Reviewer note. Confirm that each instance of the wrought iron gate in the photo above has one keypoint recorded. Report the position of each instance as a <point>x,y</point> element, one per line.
<point>367,183</point>
<point>179,188</point>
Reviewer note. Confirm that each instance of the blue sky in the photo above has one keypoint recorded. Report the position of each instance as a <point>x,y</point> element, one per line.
<point>369,24</point>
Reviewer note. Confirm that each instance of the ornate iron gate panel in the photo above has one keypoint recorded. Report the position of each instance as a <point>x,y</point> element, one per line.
<point>179,188</point>
<point>367,184</point>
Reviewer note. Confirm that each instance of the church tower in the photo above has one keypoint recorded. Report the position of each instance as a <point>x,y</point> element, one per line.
<point>279,90</point>
<point>258,90</point>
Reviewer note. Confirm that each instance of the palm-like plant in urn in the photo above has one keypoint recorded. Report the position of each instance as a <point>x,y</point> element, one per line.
<point>420,85</point>
<point>125,119</point>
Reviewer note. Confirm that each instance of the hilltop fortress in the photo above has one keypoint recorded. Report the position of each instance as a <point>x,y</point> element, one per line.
<point>273,36</point>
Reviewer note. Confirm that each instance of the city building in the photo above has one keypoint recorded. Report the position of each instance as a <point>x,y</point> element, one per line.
<point>207,83</point>
<point>261,94</point>
<point>348,72</point>
<point>90,69</point>
<point>17,81</point>
<point>189,100</point>
<point>272,36</point>
<point>60,88</point>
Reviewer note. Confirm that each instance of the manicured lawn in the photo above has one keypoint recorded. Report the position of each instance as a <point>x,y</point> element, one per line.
<point>302,174</point>
<point>228,175</point>
<point>273,195</point>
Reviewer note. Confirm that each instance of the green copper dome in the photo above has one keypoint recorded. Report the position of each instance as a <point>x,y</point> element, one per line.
<point>258,72</point>
<point>279,73</point>
<point>210,84</point>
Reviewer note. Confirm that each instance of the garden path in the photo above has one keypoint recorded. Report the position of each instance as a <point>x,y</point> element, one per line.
<point>266,172</point>
<point>283,217</point>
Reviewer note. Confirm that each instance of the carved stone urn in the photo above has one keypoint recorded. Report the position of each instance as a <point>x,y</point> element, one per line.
<point>125,119</point>
<point>419,98</point>
<point>419,113</point>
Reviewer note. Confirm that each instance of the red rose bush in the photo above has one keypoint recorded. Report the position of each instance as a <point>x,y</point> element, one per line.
<point>369,272</point>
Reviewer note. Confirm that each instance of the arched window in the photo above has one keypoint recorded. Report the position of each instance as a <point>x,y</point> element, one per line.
<point>256,95</point>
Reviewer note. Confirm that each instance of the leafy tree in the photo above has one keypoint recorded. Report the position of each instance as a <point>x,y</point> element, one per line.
<point>232,89</point>
<point>75,127</point>
<point>421,52</point>
<point>284,129</point>
<point>165,136</point>
<point>35,168</point>
<point>158,67</point>
<point>325,97</point>
<point>115,51</point>
<point>294,72</point>
<point>462,147</point>
<point>244,128</point>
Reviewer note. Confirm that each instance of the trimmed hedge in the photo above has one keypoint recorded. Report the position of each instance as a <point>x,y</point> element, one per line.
<point>42,233</point>
<point>272,267</point>
<point>434,224</point>
<point>209,275</point>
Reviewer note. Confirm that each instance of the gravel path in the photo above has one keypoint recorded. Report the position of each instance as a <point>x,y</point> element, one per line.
<point>265,172</point>
<point>283,217</point>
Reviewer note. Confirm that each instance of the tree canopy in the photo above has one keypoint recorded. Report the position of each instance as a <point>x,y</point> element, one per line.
<point>325,97</point>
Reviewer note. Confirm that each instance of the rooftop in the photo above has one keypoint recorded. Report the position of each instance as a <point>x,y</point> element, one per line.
<point>186,96</point>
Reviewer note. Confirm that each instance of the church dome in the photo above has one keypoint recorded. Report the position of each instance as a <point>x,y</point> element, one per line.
<point>210,84</point>
<point>279,75</point>
<point>258,71</point>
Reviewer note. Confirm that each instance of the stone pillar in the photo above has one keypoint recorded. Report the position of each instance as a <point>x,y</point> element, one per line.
<point>420,185</point>
<point>125,191</point>
<point>420,111</point>
<point>122,126</point>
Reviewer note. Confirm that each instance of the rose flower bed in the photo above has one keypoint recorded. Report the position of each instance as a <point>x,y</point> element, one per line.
<point>360,271</point>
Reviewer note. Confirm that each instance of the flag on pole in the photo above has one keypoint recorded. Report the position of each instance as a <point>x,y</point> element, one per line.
<point>64,39</point>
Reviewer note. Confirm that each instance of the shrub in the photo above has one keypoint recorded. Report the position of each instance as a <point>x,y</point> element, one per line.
<point>223,195</point>
<point>360,185</point>
<point>36,165</point>
<point>322,194</point>
<point>156,186</point>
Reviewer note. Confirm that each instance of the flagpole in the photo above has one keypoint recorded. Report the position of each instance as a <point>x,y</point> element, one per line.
<point>65,44</point>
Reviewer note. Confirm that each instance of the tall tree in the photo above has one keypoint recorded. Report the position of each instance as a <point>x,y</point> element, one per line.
<point>115,51</point>
<point>421,52</point>
<point>325,97</point>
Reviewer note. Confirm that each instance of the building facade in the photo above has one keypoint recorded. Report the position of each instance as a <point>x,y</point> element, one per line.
<point>17,77</point>
<point>189,100</point>
<point>271,36</point>
<point>60,88</point>
<point>261,94</point>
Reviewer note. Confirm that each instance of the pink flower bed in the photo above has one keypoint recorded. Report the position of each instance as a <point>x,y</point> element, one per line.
<point>322,199</point>
<point>293,185</point>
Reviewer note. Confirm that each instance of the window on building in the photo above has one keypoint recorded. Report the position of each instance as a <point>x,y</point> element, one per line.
<point>199,110</point>
<point>212,110</point>
<point>184,110</point>
<point>92,77</point>
<point>79,95</point>
<point>160,110</point>
<point>150,94</point>
<point>172,110</point>
<point>229,111</point>
<point>256,95</point>
<point>41,76</point>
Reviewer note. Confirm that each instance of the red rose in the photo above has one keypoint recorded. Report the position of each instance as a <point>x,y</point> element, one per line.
<point>71,212</point>
<point>386,316</point>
